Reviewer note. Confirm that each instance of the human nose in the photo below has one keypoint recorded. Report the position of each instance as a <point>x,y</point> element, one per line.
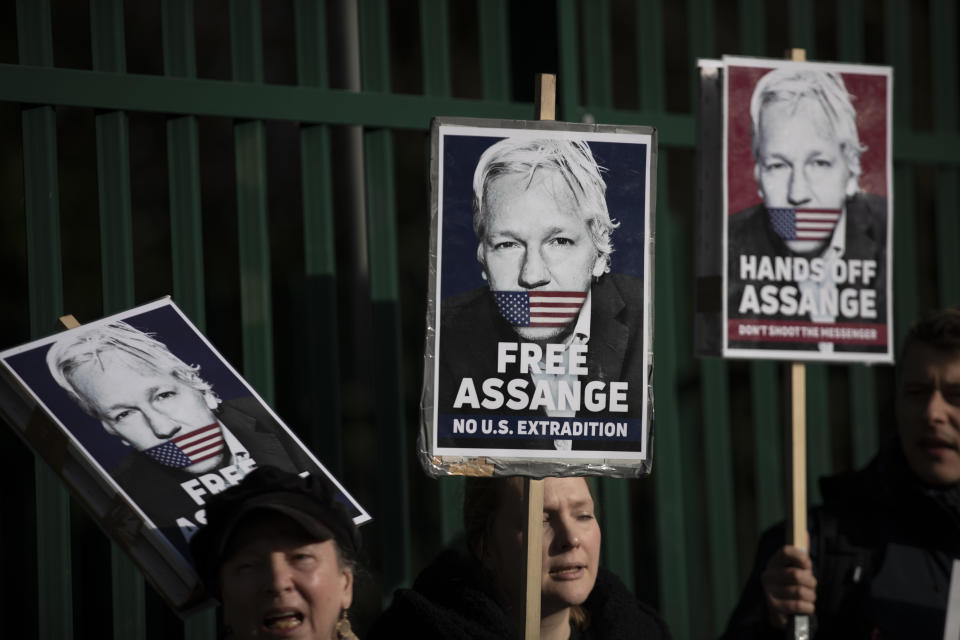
<point>279,579</point>
<point>567,535</point>
<point>533,271</point>
<point>799,188</point>
<point>936,409</point>
<point>162,425</point>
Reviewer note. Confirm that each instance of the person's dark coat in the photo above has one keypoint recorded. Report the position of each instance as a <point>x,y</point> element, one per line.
<point>450,600</point>
<point>882,547</point>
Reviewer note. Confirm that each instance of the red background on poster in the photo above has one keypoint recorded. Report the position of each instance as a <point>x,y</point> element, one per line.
<point>869,99</point>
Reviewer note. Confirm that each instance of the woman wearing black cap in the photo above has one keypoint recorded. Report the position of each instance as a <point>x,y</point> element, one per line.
<point>279,552</point>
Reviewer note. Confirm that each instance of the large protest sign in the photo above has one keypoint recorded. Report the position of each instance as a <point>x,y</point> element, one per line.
<point>807,211</point>
<point>539,332</point>
<point>145,421</point>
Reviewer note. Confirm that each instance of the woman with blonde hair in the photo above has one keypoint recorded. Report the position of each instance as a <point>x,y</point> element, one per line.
<point>476,595</point>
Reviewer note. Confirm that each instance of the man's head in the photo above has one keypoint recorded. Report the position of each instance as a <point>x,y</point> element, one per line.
<point>541,220</point>
<point>141,393</point>
<point>928,398</point>
<point>806,147</point>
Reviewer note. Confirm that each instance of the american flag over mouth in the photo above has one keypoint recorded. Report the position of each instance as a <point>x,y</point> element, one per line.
<point>804,224</point>
<point>540,308</point>
<point>189,448</point>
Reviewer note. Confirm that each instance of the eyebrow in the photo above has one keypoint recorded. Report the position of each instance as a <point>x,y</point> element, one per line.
<point>552,231</point>
<point>150,391</point>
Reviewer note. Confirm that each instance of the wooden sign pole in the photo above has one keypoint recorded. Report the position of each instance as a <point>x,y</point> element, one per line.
<point>545,98</point>
<point>799,626</point>
<point>533,552</point>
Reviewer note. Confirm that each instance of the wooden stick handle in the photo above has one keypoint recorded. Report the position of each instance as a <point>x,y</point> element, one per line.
<point>799,627</point>
<point>545,104</point>
<point>798,456</point>
<point>545,96</point>
<point>533,552</point>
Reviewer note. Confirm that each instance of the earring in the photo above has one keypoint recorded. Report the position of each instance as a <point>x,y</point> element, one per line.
<point>344,632</point>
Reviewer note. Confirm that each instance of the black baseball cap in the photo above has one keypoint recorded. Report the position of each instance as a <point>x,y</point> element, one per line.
<point>308,501</point>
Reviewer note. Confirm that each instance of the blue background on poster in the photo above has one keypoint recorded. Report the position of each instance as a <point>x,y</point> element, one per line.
<point>168,327</point>
<point>625,175</point>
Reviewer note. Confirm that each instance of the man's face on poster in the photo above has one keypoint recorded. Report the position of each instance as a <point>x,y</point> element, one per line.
<point>536,240</point>
<point>142,406</point>
<point>799,160</point>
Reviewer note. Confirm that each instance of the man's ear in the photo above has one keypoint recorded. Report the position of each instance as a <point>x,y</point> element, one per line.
<point>211,400</point>
<point>481,260</point>
<point>756,176</point>
<point>852,185</point>
<point>600,265</point>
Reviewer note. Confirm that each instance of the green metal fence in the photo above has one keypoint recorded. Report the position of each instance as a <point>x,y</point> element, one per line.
<point>288,219</point>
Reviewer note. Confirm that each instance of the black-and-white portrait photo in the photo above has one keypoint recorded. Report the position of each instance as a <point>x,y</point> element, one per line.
<point>542,331</point>
<point>808,215</point>
<point>170,431</point>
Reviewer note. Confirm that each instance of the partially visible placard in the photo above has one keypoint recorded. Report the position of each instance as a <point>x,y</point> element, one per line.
<point>807,210</point>
<point>144,420</point>
<point>538,353</point>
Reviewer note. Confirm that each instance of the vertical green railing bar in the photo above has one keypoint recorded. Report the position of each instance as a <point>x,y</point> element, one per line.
<point>598,65</point>
<point>764,386</point>
<point>767,442</point>
<point>183,165</point>
<point>186,223</point>
<point>863,410</point>
<point>614,496</point>
<point>721,529</point>
<point>322,372</point>
<point>753,27</point>
<point>568,77</point>
<point>116,257</point>
<point>494,49</point>
<point>113,162</point>
<point>650,56</point>
<point>382,243</point>
<point>897,40</point>
<point>702,38</point>
<point>850,19</point>
<point>801,27</point>
<point>667,468</point>
<point>45,286</point>
<point>246,50</point>
<point>943,58</point>
<point>715,423</point>
<point>819,460</point>
<point>435,45</point>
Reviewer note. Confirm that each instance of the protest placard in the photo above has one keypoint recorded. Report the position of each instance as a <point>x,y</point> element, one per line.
<point>539,331</point>
<point>807,211</point>
<point>144,420</point>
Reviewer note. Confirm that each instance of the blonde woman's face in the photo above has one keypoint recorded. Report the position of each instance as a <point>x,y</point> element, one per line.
<point>571,543</point>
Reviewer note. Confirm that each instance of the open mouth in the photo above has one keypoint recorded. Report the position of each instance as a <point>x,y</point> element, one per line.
<point>568,572</point>
<point>935,444</point>
<point>282,621</point>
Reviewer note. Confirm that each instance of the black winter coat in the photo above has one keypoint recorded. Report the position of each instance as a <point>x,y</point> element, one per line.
<point>450,600</point>
<point>882,547</point>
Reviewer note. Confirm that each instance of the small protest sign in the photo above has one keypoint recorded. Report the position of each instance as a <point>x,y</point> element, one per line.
<point>539,333</point>
<point>155,422</point>
<point>807,211</point>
